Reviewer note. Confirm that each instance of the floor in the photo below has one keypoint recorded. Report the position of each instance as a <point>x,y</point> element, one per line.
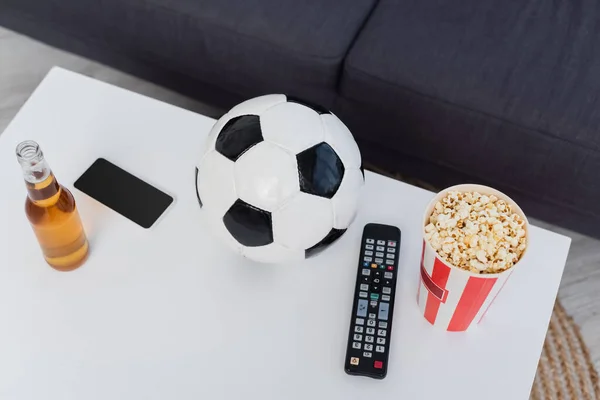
<point>24,62</point>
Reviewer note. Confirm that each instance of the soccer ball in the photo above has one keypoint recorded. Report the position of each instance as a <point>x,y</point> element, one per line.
<point>280,178</point>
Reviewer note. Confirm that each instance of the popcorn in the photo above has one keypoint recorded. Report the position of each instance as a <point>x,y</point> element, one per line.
<point>476,232</point>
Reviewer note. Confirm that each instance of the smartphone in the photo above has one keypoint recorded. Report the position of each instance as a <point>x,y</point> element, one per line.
<point>124,193</point>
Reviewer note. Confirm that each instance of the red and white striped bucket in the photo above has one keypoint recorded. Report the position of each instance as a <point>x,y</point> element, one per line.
<point>451,297</point>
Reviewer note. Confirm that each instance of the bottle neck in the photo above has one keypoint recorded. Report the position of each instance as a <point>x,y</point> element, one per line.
<point>45,193</point>
<point>42,187</point>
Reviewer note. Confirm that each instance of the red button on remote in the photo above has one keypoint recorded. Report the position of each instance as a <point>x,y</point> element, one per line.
<point>390,268</point>
<point>378,364</point>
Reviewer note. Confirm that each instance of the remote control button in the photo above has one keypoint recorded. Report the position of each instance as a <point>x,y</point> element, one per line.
<point>365,264</point>
<point>390,256</point>
<point>380,340</point>
<point>391,250</point>
<point>378,254</point>
<point>385,297</point>
<point>366,279</point>
<point>367,354</point>
<point>354,360</point>
<point>380,349</point>
<point>375,288</point>
<point>391,243</point>
<point>362,308</point>
<point>379,260</point>
<point>383,325</point>
<point>372,315</point>
<point>390,267</point>
<point>381,242</point>
<point>371,322</point>
<point>369,339</point>
<point>388,275</point>
<point>360,321</point>
<point>369,259</point>
<point>378,364</point>
<point>377,274</point>
<point>363,294</point>
<point>373,265</point>
<point>384,309</point>
<point>380,248</point>
<point>369,247</point>
<point>370,241</point>
<point>368,347</point>
<point>382,266</point>
<point>374,296</point>
<point>366,272</point>
<point>389,261</point>
<point>370,253</point>
<point>364,286</point>
<point>386,290</point>
<point>373,303</point>
<point>376,281</point>
<point>380,332</point>
<point>356,345</point>
<point>358,337</point>
<point>370,331</point>
<point>358,329</point>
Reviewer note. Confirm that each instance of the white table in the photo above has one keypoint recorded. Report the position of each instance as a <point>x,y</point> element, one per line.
<point>170,313</point>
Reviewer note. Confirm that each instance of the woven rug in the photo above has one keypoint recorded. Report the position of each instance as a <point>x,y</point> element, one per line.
<point>565,370</point>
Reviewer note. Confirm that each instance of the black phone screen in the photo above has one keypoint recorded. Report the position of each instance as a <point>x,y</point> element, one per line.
<point>124,193</point>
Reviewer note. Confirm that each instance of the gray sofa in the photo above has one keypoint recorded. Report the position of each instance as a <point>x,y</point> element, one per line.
<point>501,93</point>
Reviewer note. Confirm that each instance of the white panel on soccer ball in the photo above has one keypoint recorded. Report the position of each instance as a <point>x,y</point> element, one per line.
<point>340,138</point>
<point>266,176</point>
<point>303,221</point>
<point>216,183</point>
<point>292,126</point>
<point>345,201</point>
<point>257,105</point>
<point>272,253</point>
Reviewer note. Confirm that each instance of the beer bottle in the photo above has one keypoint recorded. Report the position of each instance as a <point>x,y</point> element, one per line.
<point>52,212</point>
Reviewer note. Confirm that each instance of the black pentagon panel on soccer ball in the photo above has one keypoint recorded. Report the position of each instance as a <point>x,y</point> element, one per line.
<point>249,225</point>
<point>197,192</point>
<point>316,107</point>
<point>320,170</point>
<point>331,237</point>
<point>238,135</point>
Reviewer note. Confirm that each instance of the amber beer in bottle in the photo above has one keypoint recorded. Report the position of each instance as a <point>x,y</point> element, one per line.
<point>52,212</point>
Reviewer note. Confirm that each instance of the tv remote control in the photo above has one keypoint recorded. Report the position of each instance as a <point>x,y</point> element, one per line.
<point>371,320</point>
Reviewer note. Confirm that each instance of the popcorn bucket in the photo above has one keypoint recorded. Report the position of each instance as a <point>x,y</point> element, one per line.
<point>451,297</point>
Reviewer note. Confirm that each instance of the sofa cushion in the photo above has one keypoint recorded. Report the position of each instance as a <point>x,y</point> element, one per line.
<point>532,63</point>
<point>504,92</point>
<point>248,47</point>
